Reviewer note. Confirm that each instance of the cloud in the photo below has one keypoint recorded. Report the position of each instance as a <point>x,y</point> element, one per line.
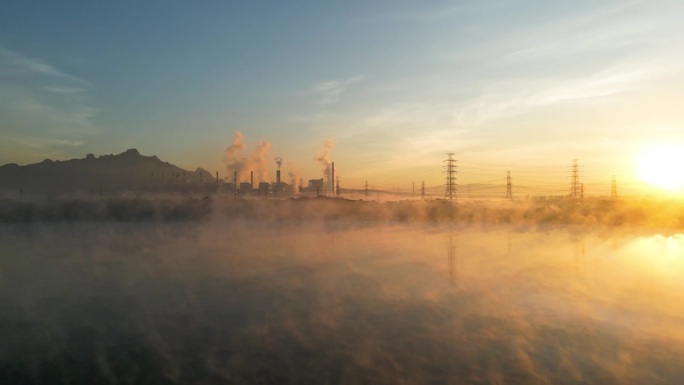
<point>330,91</point>
<point>511,98</point>
<point>580,56</point>
<point>42,106</point>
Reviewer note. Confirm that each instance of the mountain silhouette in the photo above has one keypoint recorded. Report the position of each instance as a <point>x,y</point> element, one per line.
<point>126,171</point>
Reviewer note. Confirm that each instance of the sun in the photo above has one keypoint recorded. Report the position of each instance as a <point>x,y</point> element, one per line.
<point>662,166</point>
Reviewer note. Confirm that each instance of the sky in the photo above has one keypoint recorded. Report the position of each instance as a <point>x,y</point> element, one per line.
<point>520,86</point>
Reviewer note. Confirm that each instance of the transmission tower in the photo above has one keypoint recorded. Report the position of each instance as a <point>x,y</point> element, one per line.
<point>613,190</point>
<point>575,188</point>
<point>509,186</point>
<point>450,171</point>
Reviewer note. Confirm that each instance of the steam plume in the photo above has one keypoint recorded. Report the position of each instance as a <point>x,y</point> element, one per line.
<point>324,160</point>
<point>256,161</point>
<point>236,146</point>
<point>295,177</point>
<point>279,161</point>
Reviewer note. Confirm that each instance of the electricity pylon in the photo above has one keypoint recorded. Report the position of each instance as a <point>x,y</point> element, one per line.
<point>450,171</point>
<point>575,188</point>
<point>509,187</point>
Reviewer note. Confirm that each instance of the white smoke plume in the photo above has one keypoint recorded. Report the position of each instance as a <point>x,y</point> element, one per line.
<point>236,146</point>
<point>243,165</point>
<point>259,162</point>
<point>323,158</point>
<point>295,177</point>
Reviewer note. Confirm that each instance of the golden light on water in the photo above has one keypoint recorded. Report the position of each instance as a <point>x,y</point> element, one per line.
<point>662,166</point>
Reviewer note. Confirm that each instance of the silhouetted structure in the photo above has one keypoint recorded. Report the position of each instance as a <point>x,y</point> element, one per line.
<point>235,185</point>
<point>509,186</point>
<point>613,189</point>
<point>264,188</point>
<point>246,188</point>
<point>450,171</point>
<point>575,188</point>
<point>316,185</point>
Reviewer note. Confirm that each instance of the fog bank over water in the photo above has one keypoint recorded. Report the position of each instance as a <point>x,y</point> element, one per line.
<point>246,301</point>
<point>650,215</point>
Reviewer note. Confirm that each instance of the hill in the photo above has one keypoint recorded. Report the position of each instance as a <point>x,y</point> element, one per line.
<point>126,171</point>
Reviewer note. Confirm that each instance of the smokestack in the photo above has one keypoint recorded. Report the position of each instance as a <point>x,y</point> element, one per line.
<point>332,179</point>
<point>277,178</point>
<point>217,182</point>
<point>235,182</point>
<point>251,179</point>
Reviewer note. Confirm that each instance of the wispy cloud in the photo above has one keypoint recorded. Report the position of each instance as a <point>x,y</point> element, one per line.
<point>23,68</point>
<point>41,106</point>
<point>330,91</point>
<point>515,98</point>
<point>589,56</point>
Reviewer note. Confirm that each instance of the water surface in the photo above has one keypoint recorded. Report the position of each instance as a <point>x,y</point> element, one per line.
<point>263,302</point>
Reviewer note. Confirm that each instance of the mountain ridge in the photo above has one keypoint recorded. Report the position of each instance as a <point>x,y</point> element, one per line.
<point>129,170</point>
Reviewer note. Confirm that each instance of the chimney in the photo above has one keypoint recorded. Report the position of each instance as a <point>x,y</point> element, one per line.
<point>332,179</point>
<point>277,178</point>
<point>251,178</point>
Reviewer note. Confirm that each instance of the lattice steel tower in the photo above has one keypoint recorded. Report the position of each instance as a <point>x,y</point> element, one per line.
<point>509,186</point>
<point>575,188</point>
<point>613,189</point>
<point>450,171</point>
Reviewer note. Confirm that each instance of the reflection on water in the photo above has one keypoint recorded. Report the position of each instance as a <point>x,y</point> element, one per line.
<point>578,246</point>
<point>451,254</point>
<point>266,303</point>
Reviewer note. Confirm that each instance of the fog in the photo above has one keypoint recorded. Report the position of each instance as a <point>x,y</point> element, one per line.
<point>650,215</point>
<point>328,292</point>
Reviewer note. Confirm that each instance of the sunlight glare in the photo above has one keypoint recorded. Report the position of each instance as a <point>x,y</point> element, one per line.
<point>662,166</point>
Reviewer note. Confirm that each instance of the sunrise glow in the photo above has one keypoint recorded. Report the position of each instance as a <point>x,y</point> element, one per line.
<point>662,166</point>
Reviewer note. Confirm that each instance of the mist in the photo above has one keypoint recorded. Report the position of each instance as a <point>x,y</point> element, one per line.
<point>592,214</point>
<point>338,291</point>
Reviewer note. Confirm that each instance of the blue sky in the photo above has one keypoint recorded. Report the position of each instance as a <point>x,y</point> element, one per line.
<point>394,84</point>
